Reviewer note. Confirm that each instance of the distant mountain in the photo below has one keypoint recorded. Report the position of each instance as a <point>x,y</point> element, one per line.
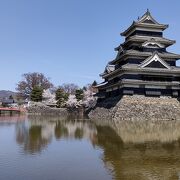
<point>6,94</point>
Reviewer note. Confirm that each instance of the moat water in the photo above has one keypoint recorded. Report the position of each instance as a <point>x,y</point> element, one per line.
<point>48,148</point>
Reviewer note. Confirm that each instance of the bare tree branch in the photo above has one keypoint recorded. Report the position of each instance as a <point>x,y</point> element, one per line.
<point>31,80</point>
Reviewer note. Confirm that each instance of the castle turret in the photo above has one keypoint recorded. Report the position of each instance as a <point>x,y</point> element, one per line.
<point>143,65</point>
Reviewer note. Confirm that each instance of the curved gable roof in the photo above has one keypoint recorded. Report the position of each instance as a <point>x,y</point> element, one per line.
<point>154,58</point>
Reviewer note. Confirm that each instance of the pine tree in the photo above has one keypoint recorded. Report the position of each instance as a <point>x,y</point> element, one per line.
<point>36,94</point>
<point>79,94</point>
<point>61,97</point>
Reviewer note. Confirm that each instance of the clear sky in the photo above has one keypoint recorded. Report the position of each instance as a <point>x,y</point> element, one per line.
<point>71,41</point>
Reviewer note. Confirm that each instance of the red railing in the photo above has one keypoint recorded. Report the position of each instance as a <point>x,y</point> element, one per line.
<point>11,109</point>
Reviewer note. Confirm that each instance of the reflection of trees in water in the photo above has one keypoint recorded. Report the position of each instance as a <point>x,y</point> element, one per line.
<point>70,129</point>
<point>21,132</point>
<point>75,130</point>
<point>36,134</point>
<point>78,133</point>
<point>60,130</point>
<point>35,142</point>
<point>131,158</point>
<point>31,138</point>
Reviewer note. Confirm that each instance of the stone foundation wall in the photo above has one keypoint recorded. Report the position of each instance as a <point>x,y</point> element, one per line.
<point>140,108</point>
<point>41,109</point>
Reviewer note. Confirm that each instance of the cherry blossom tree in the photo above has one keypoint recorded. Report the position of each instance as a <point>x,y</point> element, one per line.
<point>72,102</point>
<point>48,97</point>
<point>89,100</point>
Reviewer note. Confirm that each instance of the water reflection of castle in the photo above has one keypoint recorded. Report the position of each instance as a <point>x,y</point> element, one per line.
<point>131,150</point>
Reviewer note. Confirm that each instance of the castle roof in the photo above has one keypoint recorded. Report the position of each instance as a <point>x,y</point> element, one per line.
<point>145,22</point>
<point>142,39</point>
<point>139,54</point>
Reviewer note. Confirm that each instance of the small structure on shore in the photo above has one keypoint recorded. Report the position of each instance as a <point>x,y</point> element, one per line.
<point>143,66</point>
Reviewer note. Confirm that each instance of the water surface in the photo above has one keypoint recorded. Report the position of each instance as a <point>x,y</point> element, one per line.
<point>51,148</point>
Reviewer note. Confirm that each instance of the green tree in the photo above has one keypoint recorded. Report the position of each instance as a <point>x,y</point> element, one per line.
<point>36,94</point>
<point>79,94</point>
<point>61,97</point>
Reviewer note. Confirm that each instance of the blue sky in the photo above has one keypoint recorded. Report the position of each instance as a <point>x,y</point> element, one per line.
<point>71,41</point>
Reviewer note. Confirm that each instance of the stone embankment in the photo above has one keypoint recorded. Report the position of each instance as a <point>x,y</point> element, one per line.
<point>38,108</point>
<point>41,109</point>
<point>139,108</point>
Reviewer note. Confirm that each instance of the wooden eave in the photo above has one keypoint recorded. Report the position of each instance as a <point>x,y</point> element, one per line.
<point>142,39</point>
<point>101,85</point>
<point>141,82</point>
<point>167,56</point>
<point>135,25</point>
<point>135,68</point>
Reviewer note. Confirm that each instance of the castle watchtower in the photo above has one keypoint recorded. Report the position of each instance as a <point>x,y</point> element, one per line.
<point>143,65</point>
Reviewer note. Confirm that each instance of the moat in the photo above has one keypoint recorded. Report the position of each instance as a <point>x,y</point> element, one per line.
<point>52,148</point>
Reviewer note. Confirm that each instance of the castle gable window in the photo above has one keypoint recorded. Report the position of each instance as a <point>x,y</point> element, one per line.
<point>154,61</point>
<point>152,44</point>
